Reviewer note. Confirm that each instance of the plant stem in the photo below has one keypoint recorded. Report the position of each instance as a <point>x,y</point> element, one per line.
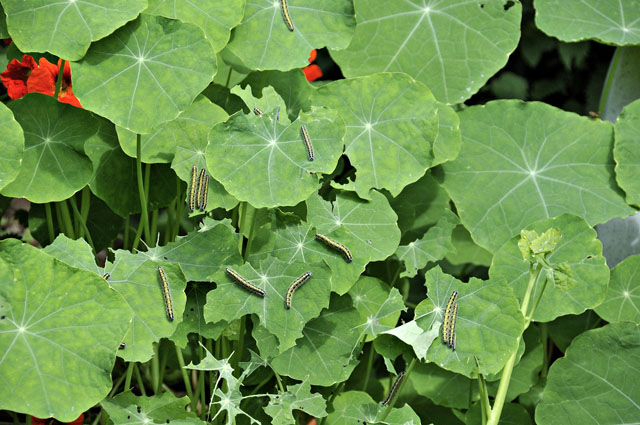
<point>155,372</point>
<point>180,206</point>
<point>66,219</point>
<point>226,84</point>
<point>136,371</point>
<point>144,217</point>
<point>484,398</point>
<point>365,384</point>
<point>125,236</point>
<point>163,365</point>
<point>185,378</point>
<point>404,381</point>
<point>80,220</point>
<point>85,203</point>
<point>154,228</point>
<point>280,386</point>
<point>127,382</point>
<point>59,79</point>
<point>168,234</point>
<point>97,419</point>
<point>238,352</point>
<point>136,239</point>
<point>47,211</point>
<point>116,385</point>
<point>544,336</point>
<point>609,79</point>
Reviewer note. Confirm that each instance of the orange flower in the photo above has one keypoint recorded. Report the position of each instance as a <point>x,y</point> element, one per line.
<point>312,72</point>
<point>16,75</point>
<point>43,80</point>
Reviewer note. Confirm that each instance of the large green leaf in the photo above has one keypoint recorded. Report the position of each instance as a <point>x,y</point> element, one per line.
<point>75,253</point>
<point>453,47</point>
<point>379,307</point>
<point>263,41</point>
<point>113,171</point>
<point>488,325</point>
<point>298,397</point>
<point>611,22</point>
<point>627,152</point>
<point>606,359</point>
<point>355,407</point>
<point>265,163</point>
<point>162,409</point>
<point>215,18</point>
<point>392,122</point>
<point>54,166</point>
<point>66,28</point>
<point>229,301</point>
<point>521,162</point>
<point>622,83</point>
<point>579,248</point>
<point>60,328</point>
<point>136,278</point>
<point>441,386</point>
<point>292,86</point>
<point>622,302</point>
<point>145,73</point>
<point>12,146</point>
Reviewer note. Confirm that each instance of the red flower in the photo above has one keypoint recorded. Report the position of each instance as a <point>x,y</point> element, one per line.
<point>40,421</point>
<point>313,55</point>
<point>43,80</point>
<point>312,72</point>
<point>16,76</point>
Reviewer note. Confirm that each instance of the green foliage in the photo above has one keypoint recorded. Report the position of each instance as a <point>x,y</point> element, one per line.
<point>626,152</point>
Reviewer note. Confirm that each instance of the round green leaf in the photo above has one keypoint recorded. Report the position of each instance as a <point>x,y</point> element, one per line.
<point>453,47</point>
<point>292,86</point>
<point>12,146</point>
<point>263,41</point>
<point>66,28</point>
<point>230,301</point>
<point>264,163</point>
<point>215,18</point>
<point>606,359</point>
<point>60,329</point>
<point>620,303</point>
<point>611,22</point>
<point>391,122</point>
<point>75,253</point>
<point>626,152</point>
<point>488,325</point>
<point>521,162</point>
<point>379,307</point>
<point>578,247</point>
<point>54,165</point>
<point>145,73</point>
<point>136,278</point>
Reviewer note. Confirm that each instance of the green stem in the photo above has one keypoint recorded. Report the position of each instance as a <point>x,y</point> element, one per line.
<point>98,416</point>
<point>365,384</point>
<point>144,216</point>
<point>546,352</point>
<point>127,382</point>
<point>241,219</point>
<point>59,80</point>
<point>239,349</point>
<point>334,394</point>
<point>261,384</point>
<point>155,372</point>
<point>280,386</point>
<point>66,219</point>
<point>85,203</point>
<point>226,84</point>
<point>136,371</point>
<point>125,236</point>
<point>180,205</point>
<point>203,401</point>
<point>154,228</point>
<point>168,235</point>
<point>251,232</point>
<point>116,385</point>
<point>609,79</point>
<point>185,378</point>
<point>136,239</point>
<point>404,381</point>
<point>484,398</point>
<point>163,366</point>
<point>47,210</point>
<point>83,224</point>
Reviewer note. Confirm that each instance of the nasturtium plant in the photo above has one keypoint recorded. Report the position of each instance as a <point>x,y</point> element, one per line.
<point>319,212</point>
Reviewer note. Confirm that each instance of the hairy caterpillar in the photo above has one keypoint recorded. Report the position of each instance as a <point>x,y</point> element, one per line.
<point>106,276</point>
<point>192,189</point>
<point>295,285</point>
<point>394,389</point>
<point>201,179</point>
<point>336,245</point>
<point>447,328</point>
<point>307,142</point>
<point>205,193</point>
<point>244,282</point>
<point>166,292</point>
<point>285,14</point>
<point>258,111</point>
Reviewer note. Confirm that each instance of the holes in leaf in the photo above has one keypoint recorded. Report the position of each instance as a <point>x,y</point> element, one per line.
<point>509,4</point>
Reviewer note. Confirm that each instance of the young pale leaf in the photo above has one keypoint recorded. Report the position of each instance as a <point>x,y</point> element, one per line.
<point>433,246</point>
<point>441,386</point>
<point>160,409</point>
<point>54,165</point>
<point>263,41</point>
<point>214,18</point>
<point>488,325</point>
<point>579,248</point>
<point>522,162</point>
<point>623,294</point>
<point>66,29</point>
<point>392,122</point>
<point>412,334</point>
<point>353,407</point>
<point>60,328</point>
<point>269,101</point>
<point>162,63</point>
<point>187,132</point>
<point>193,317</point>
<point>297,397</point>
<point>12,146</point>
<point>265,163</point>
<point>136,279</point>
<point>202,252</point>
<point>626,152</point>
<point>429,41</point>
<point>605,358</point>
<point>223,367</point>
<point>325,351</point>
<point>379,308</point>
<point>230,301</point>
<point>532,245</point>
<point>573,20</point>
<point>113,171</point>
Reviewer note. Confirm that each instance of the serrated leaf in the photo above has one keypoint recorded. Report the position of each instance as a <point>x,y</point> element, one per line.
<point>429,42</point>
<point>113,171</point>
<point>263,41</point>
<point>66,29</point>
<point>160,409</point>
<point>391,121</point>
<point>433,246</point>
<point>626,152</point>
<point>135,277</point>
<point>159,64</point>
<point>488,325</point>
<point>522,162</point>
<point>12,145</point>
<point>602,357</point>
<point>354,407</point>
<point>325,351</point>
<point>297,397</point>
<point>269,101</point>
<point>54,166</point>
<point>576,20</point>
<point>264,163</point>
<point>222,366</point>
<point>193,317</point>
<point>215,18</point>
<point>229,301</point>
<point>379,307</point>
<point>579,247</point>
<point>621,302</point>
<point>59,328</point>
